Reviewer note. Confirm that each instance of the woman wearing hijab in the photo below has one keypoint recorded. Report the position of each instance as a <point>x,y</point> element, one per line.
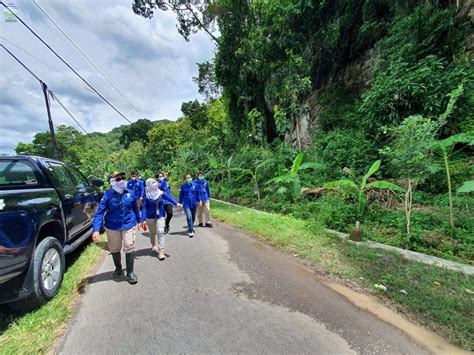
<point>154,213</point>
<point>119,211</point>
<point>165,187</point>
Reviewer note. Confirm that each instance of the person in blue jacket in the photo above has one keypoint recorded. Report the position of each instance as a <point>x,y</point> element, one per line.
<point>119,211</point>
<point>154,212</point>
<point>165,187</point>
<point>135,186</point>
<point>204,204</point>
<point>188,197</point>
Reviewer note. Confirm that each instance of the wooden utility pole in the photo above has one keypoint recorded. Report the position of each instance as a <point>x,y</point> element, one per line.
<point>50,121</point>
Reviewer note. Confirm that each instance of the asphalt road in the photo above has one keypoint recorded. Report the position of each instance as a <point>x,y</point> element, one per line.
<point>222,291</point>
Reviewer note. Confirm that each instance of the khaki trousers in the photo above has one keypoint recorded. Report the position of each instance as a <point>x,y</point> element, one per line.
<point>206,210</point>
<point>156,226</point>
<point>121,239</point>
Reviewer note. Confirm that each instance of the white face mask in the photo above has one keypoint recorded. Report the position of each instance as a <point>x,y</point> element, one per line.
<point>118,186</point>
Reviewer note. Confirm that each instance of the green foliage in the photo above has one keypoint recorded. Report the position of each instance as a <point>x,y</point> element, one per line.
<point>136,132</point>
<point>363,186</point>
<point>467,187</point>
<point>196,113</point>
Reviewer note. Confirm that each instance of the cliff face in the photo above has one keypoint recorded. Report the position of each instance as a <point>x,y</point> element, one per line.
<point>354,77</point>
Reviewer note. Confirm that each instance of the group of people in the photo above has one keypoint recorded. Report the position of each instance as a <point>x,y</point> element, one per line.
<point>130,205</point>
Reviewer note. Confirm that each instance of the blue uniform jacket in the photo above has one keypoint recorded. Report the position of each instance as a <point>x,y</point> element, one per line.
<point>163,186</point>
<point>120,211</point>
<point>136,187</point>
<point>152,208</point>
<point>189,195</point>
<point>204,190</point>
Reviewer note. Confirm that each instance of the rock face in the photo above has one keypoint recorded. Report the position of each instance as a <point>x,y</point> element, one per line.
<point>355,76</point>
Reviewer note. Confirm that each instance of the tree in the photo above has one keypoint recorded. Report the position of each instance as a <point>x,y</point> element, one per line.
<point>136,132</point>
<point>207,81</point>
<point>292,176</point>
<point>191,15</point>
<point>196,112</point>
<point>363,186</point>
<point>408,155</point>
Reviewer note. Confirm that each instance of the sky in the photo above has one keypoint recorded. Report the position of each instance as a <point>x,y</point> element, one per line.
<point>147,59</point>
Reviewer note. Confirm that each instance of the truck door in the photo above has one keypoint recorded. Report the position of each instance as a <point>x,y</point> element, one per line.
<point>72,206</point>
<point>86,194</point>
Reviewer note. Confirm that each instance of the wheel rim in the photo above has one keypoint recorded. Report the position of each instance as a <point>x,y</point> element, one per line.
<point>51,268</point>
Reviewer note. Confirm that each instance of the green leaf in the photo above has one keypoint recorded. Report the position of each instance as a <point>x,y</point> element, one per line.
<point>384,185</point>
<point>375,166</point>
<point>339,183</point>
<point>466,187</point>
<point>312,165</point>
<point>296,189</point>
<point>297,163</point>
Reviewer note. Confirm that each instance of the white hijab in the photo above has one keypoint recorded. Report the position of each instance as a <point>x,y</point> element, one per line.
<point>152,190</point>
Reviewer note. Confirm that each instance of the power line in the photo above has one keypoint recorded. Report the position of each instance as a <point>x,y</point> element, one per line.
<point>85,56</point>
<point>46,64</point>
<point>66,63</point>
<point>45,89</point>
<point>56,98</point>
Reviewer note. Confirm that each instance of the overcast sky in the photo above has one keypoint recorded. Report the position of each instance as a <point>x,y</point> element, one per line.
<point>146,59</point>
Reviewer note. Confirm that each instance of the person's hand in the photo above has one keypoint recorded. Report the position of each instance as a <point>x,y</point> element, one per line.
<point>200,203</point>
<point>143,226</point>
<point>95,236</point>
<point>180,206</point>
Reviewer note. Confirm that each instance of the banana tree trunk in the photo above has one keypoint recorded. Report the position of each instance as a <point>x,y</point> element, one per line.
<point>408,205</point>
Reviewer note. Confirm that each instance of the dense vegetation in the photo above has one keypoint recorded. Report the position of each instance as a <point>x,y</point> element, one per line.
<point>274,62</point>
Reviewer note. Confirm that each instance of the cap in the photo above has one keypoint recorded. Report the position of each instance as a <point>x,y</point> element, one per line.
<point>116,174</point>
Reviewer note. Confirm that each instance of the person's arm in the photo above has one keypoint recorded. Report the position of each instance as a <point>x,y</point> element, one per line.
<point>181,196</point>
<point>142,190</point>
<point>168,197</point>
<point>136,210</point>
<point>99,214</point>
<point>144,206</point>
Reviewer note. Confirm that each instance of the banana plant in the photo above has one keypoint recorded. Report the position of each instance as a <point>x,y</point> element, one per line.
<point>253,173</point>
<point>363,186</point>
<point>292,177</point>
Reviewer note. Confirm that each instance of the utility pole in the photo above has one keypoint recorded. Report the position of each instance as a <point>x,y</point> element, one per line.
<point>50,121</point>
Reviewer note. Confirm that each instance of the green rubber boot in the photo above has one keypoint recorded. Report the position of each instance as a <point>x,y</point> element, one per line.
<point>131,277</point>
<point>118,264</point>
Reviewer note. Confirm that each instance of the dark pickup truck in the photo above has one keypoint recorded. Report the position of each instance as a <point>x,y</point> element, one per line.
<point>46,211</point>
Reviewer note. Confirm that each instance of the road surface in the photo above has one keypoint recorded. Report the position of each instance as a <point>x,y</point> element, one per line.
<point>222,291</point>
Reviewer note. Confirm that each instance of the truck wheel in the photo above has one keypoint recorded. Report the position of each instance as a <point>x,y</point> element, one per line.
<point>48,272</point>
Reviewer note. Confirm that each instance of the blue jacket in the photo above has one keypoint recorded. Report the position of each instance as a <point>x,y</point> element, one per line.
<point>165,187</point>
<point>204,190</point>
<point>189,195</point>
<point>152,208</point>
<point>136,187</point>
<point>120,211</point>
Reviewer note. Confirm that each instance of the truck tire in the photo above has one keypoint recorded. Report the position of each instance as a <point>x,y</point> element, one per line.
<point>48,272</point>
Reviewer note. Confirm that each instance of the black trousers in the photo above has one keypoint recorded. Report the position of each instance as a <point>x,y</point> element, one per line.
<point>169,214</point>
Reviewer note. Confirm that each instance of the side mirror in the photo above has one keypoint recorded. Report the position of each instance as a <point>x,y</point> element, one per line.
<point>97,182</point>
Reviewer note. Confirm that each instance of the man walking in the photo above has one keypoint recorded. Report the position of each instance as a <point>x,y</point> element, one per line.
<point>204,206</point>
<point>137,188</point>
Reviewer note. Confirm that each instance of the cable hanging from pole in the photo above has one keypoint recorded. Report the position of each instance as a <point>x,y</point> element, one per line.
<point>85,56</point>
<point>66,63</point>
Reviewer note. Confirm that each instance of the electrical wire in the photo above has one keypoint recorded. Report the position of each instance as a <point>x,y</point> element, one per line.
<point>85,56</point>
<point>66,63</point>
<point>56,98</point>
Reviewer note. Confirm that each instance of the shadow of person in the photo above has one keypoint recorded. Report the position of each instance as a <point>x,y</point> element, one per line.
<point>185,234</point>
<point>105,276</point>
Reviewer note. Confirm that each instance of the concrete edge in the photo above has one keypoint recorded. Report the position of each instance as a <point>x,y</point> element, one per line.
<point>408,254</point>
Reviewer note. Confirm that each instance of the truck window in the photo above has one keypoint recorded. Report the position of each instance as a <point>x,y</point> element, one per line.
<point>60,174</point>
<point>79,179</point>
<point>17,172</point>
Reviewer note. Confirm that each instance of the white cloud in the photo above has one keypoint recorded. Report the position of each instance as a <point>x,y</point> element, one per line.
<point>147,59</point>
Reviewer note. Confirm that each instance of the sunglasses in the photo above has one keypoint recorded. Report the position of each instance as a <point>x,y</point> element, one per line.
<point>118,179</point>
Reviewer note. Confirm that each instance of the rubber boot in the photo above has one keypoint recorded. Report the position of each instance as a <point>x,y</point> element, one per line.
<point>118,264</point>
<point>131,277</point>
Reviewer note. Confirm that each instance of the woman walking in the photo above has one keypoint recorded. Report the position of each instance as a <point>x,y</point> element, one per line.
<point>154,212</point>
<point>189,196</point>
<point>119,211</point>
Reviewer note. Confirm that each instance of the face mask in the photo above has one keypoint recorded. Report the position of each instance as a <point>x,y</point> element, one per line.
<point>118,186</point>
<point>190,181</point>
<point>201,178</point>
<point>161,179</point>
<point>134,178</point>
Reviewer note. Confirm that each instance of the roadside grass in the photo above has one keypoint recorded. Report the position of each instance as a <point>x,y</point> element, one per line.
<point>438,298</point>
<point>36,332</point>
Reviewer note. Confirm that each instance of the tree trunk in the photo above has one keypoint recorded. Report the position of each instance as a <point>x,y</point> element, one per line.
<point>408,205</point>
<point>450,193</point>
